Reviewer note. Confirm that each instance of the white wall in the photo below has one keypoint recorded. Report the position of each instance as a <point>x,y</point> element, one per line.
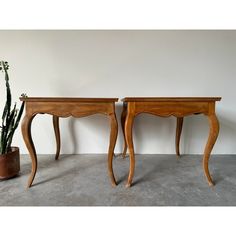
<point>118,64</point>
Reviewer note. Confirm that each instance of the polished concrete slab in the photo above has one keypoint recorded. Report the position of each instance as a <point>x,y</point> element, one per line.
<point>160,180</point>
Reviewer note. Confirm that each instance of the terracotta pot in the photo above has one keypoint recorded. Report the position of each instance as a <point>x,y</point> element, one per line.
<point>10,163</point>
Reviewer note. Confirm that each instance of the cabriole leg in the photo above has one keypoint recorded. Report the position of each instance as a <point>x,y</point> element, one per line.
<point>178,134</point>
<point>214,131</point>
<point>123,118</point>
<point>26,132</point>
<point>113,137</point>
<point>129,140</point>
<point>57,135</point>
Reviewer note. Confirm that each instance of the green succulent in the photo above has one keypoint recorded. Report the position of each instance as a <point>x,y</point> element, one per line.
<point>10,117</point>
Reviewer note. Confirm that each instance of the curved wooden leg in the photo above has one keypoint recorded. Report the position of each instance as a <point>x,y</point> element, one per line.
<point>113,137</point>
<point>123,118</point>
<point>178,134</point>
<point>129,140</point>
<point>214,131</point>
<point>26,132</point>
<point>57,135</point>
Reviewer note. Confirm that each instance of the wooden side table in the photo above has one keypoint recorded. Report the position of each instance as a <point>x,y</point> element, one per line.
<point>65,107</point>
<point>165,107</point>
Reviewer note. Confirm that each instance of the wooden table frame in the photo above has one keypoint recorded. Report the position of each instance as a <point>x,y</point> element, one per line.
<point>165,107</point>
<point>65,107</point>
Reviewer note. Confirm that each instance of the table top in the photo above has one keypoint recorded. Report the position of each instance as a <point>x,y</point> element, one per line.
<point>170,99</point>
<point>67,99</point>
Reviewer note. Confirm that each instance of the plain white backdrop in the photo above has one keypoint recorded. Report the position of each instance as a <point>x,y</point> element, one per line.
<point>98,63</point>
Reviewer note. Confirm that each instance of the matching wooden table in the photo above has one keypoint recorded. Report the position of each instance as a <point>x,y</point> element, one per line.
<point>65,107</point>
<point>132,106</point>
<point>165,107</point>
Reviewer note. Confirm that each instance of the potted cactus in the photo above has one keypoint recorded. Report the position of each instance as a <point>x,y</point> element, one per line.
<point>9,155</point>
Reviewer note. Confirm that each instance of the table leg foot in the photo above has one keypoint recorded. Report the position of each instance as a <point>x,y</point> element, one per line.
<point>211,184</point>
<point>124,154</point>
<point>31,178</point>
<point>128,185</point>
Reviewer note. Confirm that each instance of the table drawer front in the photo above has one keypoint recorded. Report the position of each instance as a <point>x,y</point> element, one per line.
<point>65,109</point>
<point>172,108</point>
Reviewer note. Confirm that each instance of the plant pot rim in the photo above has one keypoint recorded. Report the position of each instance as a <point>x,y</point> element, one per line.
<point>12,149</point>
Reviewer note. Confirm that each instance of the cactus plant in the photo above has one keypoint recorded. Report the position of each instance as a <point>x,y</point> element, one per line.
<point>10,117</point>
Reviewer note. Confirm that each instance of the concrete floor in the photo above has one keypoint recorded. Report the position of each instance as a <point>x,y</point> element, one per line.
<point>160,180</point>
